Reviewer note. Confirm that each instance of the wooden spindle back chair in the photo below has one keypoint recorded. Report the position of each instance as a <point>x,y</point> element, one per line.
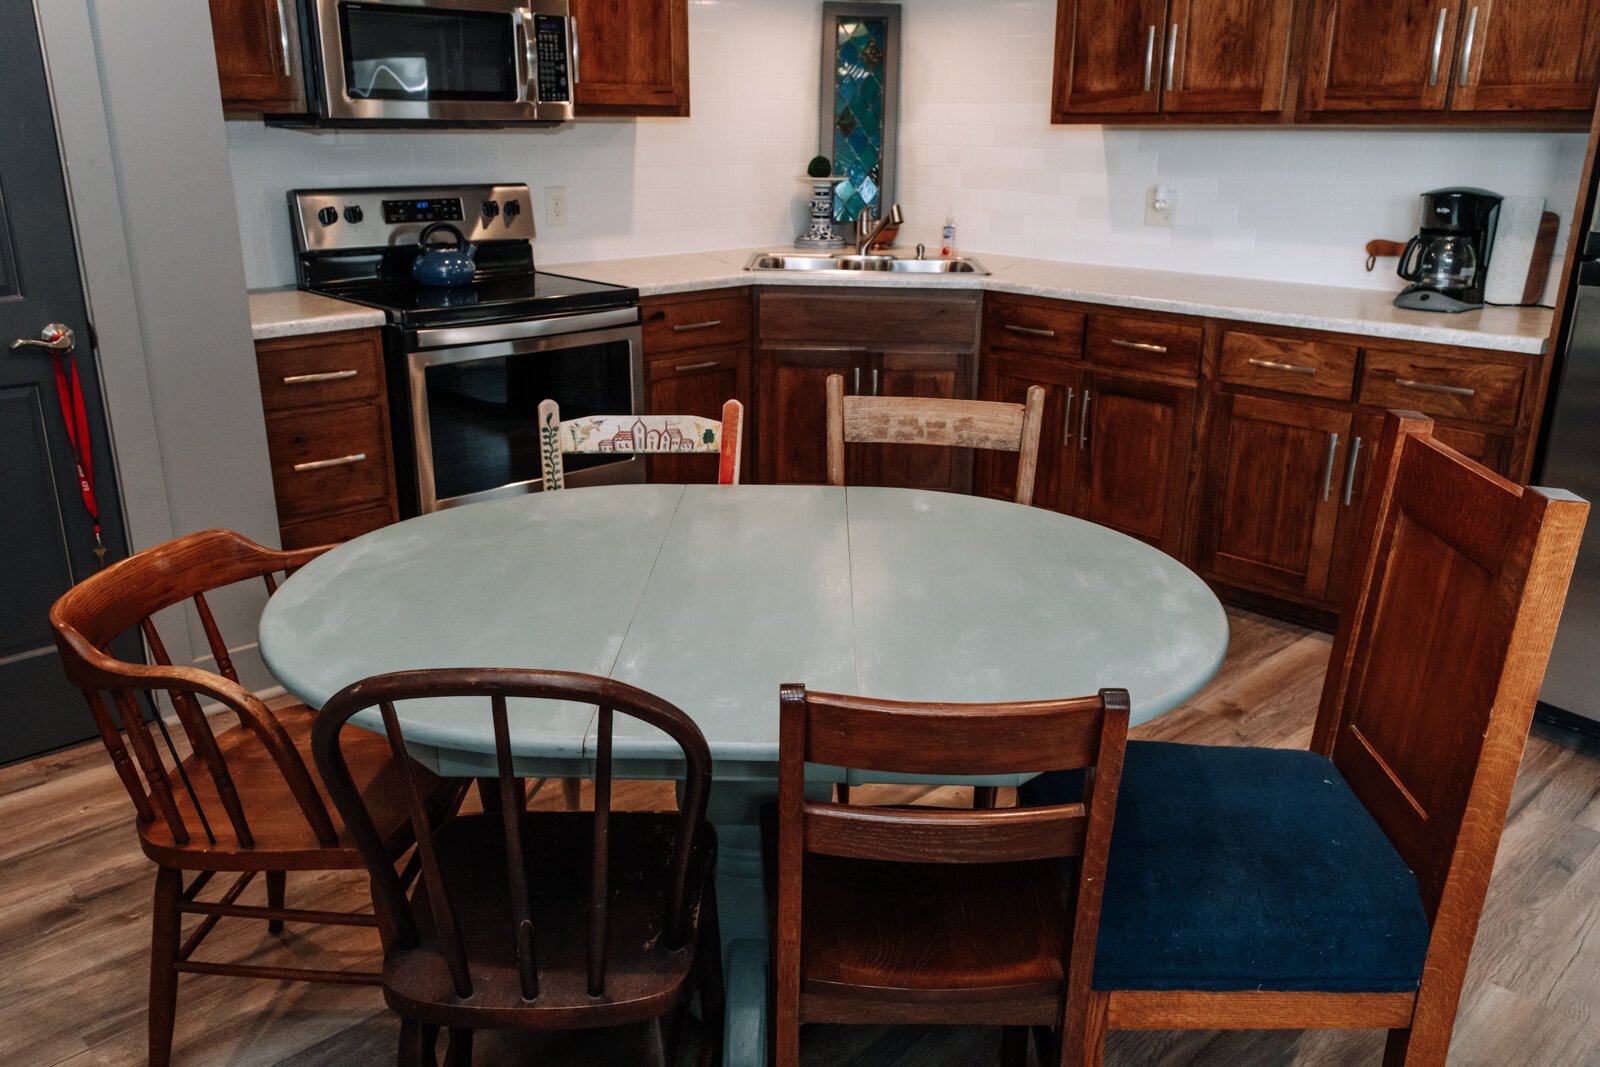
<point>244,799</point>
<point>538,920</point>
<point>871,938</point>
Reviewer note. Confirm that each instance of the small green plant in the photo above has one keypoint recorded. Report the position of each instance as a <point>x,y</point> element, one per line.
<point>820,167</point>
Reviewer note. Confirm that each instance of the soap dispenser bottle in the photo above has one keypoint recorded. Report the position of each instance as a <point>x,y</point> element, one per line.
<point>947,246</point>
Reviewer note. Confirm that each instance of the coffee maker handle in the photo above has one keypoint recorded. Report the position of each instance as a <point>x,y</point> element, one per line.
<point>1414,273</point>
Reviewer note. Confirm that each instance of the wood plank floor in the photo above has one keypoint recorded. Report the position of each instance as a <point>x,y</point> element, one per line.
<point>75,898</point>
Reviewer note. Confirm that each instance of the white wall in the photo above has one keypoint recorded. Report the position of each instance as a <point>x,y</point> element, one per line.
<point>975,135</point>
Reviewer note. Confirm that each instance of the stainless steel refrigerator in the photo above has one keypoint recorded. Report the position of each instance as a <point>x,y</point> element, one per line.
<point>1571,460</point>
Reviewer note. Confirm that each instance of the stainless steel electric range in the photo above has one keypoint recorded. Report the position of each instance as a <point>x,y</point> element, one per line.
<point>468,366</point>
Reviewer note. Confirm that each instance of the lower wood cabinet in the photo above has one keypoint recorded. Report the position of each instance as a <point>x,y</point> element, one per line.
<point>1135,440</point>
<point>696,382</point>
<point>793,412</point>
<point>1006,377</point>
<point>942,375</point>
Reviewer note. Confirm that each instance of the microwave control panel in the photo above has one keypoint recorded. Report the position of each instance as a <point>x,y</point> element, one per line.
<point>551,48</point>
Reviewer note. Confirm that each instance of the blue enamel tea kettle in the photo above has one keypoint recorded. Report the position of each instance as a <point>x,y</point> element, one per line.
<point>444,265</point>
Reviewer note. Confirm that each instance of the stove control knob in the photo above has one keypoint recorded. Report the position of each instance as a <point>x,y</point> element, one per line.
<point>491,209</point>
<point>513,208</point>
<point>352,214</point>
<point>328,216</point>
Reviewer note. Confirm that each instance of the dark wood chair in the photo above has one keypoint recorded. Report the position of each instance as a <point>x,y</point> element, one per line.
<point>939,916</point>
<point>546,920</point>
<point>245,800</point>
<point>1342,887</point>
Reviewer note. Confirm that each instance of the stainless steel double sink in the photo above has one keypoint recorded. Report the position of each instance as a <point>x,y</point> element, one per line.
<point>846,263</point>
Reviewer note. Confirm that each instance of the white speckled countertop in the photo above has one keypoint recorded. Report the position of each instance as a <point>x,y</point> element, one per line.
<point>1365,312</point>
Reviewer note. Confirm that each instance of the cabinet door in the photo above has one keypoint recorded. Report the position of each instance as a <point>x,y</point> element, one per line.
<point>1006,377</point>
<point>696,382</point>
<point>1134,445</point>
<point>943,375</point>
<point>793,417</point>
<point>633,57</point>
<point>1528,55</point>
<point>1109,56</point>
<point>1227,55</point>
<point>255,58</point>
<point>1381,55</point>
<point>1271,504</point>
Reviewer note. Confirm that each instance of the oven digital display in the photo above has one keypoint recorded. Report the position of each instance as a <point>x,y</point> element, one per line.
<point>444,210</point>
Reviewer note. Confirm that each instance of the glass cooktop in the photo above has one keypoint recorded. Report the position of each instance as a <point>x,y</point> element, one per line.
<point>526,296</point>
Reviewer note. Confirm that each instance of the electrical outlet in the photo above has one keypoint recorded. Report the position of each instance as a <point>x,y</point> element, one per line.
<point>1160,205</point>
<point>555,205</point>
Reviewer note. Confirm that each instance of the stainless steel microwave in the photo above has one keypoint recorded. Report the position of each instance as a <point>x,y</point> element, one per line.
<point>439,62</point>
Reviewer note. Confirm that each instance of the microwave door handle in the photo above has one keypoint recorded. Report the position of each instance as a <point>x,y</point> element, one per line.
<point>527,61</point>
<point>577,65</point>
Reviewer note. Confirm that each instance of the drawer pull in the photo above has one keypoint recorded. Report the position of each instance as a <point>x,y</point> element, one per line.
<point>1140,346</point>
<point>1292,368</point>
<point>1350,474</point>
<point>1028,331</point>
<point>1066,422</point>
<point>324,376</point>
<point>690,327</point>
<point>1435,387</point>
<point>1327,472</point>
<point>685,367</point>
<point>323,464</point>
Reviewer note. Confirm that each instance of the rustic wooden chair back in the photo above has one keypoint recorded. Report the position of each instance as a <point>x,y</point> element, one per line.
<point>497,686</point>
<point>128,595</point>
<point>915,420</point>
<point>640,435</point>
<point>944,741</point>
<point>1435,671</point>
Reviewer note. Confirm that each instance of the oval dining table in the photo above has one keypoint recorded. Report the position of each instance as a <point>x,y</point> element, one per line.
<point>713,596</point>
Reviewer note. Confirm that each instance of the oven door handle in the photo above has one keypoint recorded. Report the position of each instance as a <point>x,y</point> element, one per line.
<point>454,336</point>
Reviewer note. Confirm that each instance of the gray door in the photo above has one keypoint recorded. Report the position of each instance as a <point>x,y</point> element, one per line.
<point>46,535</point>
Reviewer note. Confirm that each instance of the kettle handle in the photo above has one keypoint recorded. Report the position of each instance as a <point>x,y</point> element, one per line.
<point>1412,275</point>
<point>440,227</point>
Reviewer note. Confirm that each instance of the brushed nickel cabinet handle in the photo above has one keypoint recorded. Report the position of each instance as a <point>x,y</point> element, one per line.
<point>857,389</point>
<point>283,36</point>
<point>691,327</point>
<point>1149,58</point>
<point>1028,331</point>
<point>1350,472</point>
<point>1139,346</point>
<point>324,464</point>
<point>1083,422</point>
<point>1438,46</point>
<point>1466,46</point>
<point>1292,368</point>
<point>1327,471</point>
<point>322,376</point>
<point>1435,387</point>
<point>1066,422</point>
<point>707,365</point>
<point>1172,55</point>
<point>874,381</point>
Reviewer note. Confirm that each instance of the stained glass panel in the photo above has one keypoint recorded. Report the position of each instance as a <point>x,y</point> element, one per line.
<point>858,112</point>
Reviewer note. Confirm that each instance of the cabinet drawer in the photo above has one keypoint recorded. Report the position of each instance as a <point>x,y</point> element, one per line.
<point>1144,344</point>
<point>1032,326</point>
<point>332,529</point>
<point>324,370</point>
<point>327,461</point>
<point>702,322</point>
<point>1288,365</point>
<point>1438,385</point>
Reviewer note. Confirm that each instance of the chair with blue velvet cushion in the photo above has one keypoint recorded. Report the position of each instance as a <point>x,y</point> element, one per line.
<point>1342,887</point>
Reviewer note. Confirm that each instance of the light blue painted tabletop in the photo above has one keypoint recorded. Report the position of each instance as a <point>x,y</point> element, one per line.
<point>713,596</point>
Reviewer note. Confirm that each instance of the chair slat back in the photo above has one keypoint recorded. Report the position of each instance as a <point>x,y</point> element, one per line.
<point>1441,650</point>
<point>907,420</point>
<point>127,596</point>
<point>639,435</point>
<point>496,686</point>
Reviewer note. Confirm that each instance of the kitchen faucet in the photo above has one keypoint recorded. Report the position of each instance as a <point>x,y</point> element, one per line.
<point>866,233</point>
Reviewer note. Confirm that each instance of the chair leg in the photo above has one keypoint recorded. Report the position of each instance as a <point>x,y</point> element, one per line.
<point>653,1044</point>
<point>841,793</point>
<point>713,1006</point>
<point>1090,1050</point>
<point>166,926</point>
<point>984,796</point>
<point>277,886</point>
<point>459,1054</point>
<point>1013,1046</point>
<point>572,793</point>
<point>410,1044</point>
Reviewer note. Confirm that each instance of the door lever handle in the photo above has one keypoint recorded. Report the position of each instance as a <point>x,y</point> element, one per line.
<point>57,337</point>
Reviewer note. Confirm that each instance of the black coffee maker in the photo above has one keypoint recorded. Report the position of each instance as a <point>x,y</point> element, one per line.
<point>1448,262</point>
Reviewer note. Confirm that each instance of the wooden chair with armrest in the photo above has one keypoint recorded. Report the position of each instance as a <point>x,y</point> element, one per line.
<point>244,801</point>
<point>539,920</point>
<point>938,916</point>
<point>1342,887</point>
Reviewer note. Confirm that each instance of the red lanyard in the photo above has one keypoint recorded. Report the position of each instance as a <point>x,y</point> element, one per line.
<point>69,388</point>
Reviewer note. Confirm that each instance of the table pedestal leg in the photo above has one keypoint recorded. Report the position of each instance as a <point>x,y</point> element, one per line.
<point>742,910</point>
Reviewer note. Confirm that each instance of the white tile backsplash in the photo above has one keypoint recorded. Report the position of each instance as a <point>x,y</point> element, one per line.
<point>1286,204</point>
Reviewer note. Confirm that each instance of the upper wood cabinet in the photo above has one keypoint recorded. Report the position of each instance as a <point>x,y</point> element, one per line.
<point>1152,60</point>
<point>257,55</point>
<point>1381,55</point>
<point>1527,55</point>
<point>633,57</point>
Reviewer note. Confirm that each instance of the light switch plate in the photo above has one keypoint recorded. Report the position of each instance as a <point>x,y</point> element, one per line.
<point>555,205</point>
<point>1160,204</point>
